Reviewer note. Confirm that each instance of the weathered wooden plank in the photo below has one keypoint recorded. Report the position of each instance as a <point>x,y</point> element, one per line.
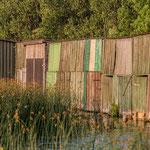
<point>39,50</point>
<point>108,56</point>
<point>98,49</point>
<point>67,82</point>
<point>124,94</point>
<point>87,55</point>
<point>148,99</point>
<point>93,91</point>
<point>123,57</point>
<point>92,55</point>
<point>73,56</point>
<point>85,90</point>
<point>29,75</point>
<point>139,92</point>
<point>39,71</point>
<point>141,55</point>
<point>80,55</point>
<point>30,51</point>
<point>107,93</point>
<point>73,87</point>
<point>54,57</point>
<point>115,89</point>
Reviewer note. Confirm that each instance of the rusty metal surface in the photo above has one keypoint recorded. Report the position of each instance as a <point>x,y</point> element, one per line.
<point>93,91</point>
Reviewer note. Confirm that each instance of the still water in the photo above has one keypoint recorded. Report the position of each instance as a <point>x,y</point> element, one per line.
<point>130,137</point>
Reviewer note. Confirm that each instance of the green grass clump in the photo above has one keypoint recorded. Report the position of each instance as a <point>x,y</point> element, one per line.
<point>30,115</point>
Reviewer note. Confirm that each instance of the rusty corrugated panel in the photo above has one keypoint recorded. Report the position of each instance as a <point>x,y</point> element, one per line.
<point>139,92</point>
<point>123,65</point>
<point>124,94</point>
<point>141,55</point>
<point>29,69</point>
<point>93,90</point>
<point>7,59</point>
<point>108,56</point>
<point>148,99</point>
<point>107,93</point>
<point>39,71</point>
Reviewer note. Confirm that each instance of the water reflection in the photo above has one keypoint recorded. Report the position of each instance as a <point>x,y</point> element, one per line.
<point>129,137</point>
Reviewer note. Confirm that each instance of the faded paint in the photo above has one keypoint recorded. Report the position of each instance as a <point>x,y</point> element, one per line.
<point>98,49</point>
<point>123,65</point>
<point>54,57</point>
<point>87,55</point>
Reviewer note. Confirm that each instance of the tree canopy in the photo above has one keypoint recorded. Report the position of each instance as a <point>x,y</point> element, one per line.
<point>70,19</point>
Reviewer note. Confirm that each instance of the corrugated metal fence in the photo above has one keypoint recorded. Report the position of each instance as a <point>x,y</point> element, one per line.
<point>7,59</point>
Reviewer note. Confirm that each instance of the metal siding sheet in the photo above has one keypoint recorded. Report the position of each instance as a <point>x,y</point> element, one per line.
<point>124,94</point>
<point>54,56</point>
<point>93,91</point>
<point>29,75</point>
<point>139,92</point>
<point>1,56</point>
<point>123,57</point>
<point>108,56</point>
<point>107,95</point>
<point>5,60</point>
<point>39,71</point>
<point>98,49</point>
<point>13,60</point>
<point>39,50</point>
<point>87,55</point>
<point>92,55</point>
<point>148,99</point>
<point>51,78</point>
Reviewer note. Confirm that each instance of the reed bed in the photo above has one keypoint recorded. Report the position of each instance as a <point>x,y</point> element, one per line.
<point>32,118</point>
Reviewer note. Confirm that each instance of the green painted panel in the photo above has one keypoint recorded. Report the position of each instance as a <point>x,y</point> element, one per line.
<point>124,94</point>
<point>84,89</point>
<point>51,78</point>
<point>87,55</point>
<point>98,49</point>
<point>54,57</point>
<point>139,90</point>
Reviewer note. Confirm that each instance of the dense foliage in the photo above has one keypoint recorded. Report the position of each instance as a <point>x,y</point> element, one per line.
<point>69,19</point>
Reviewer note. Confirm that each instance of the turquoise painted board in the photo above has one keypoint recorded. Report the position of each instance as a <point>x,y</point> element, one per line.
<point>54,57</point>
<point>98,49</point>
<point>87,55</point>
<point>51,78</point>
